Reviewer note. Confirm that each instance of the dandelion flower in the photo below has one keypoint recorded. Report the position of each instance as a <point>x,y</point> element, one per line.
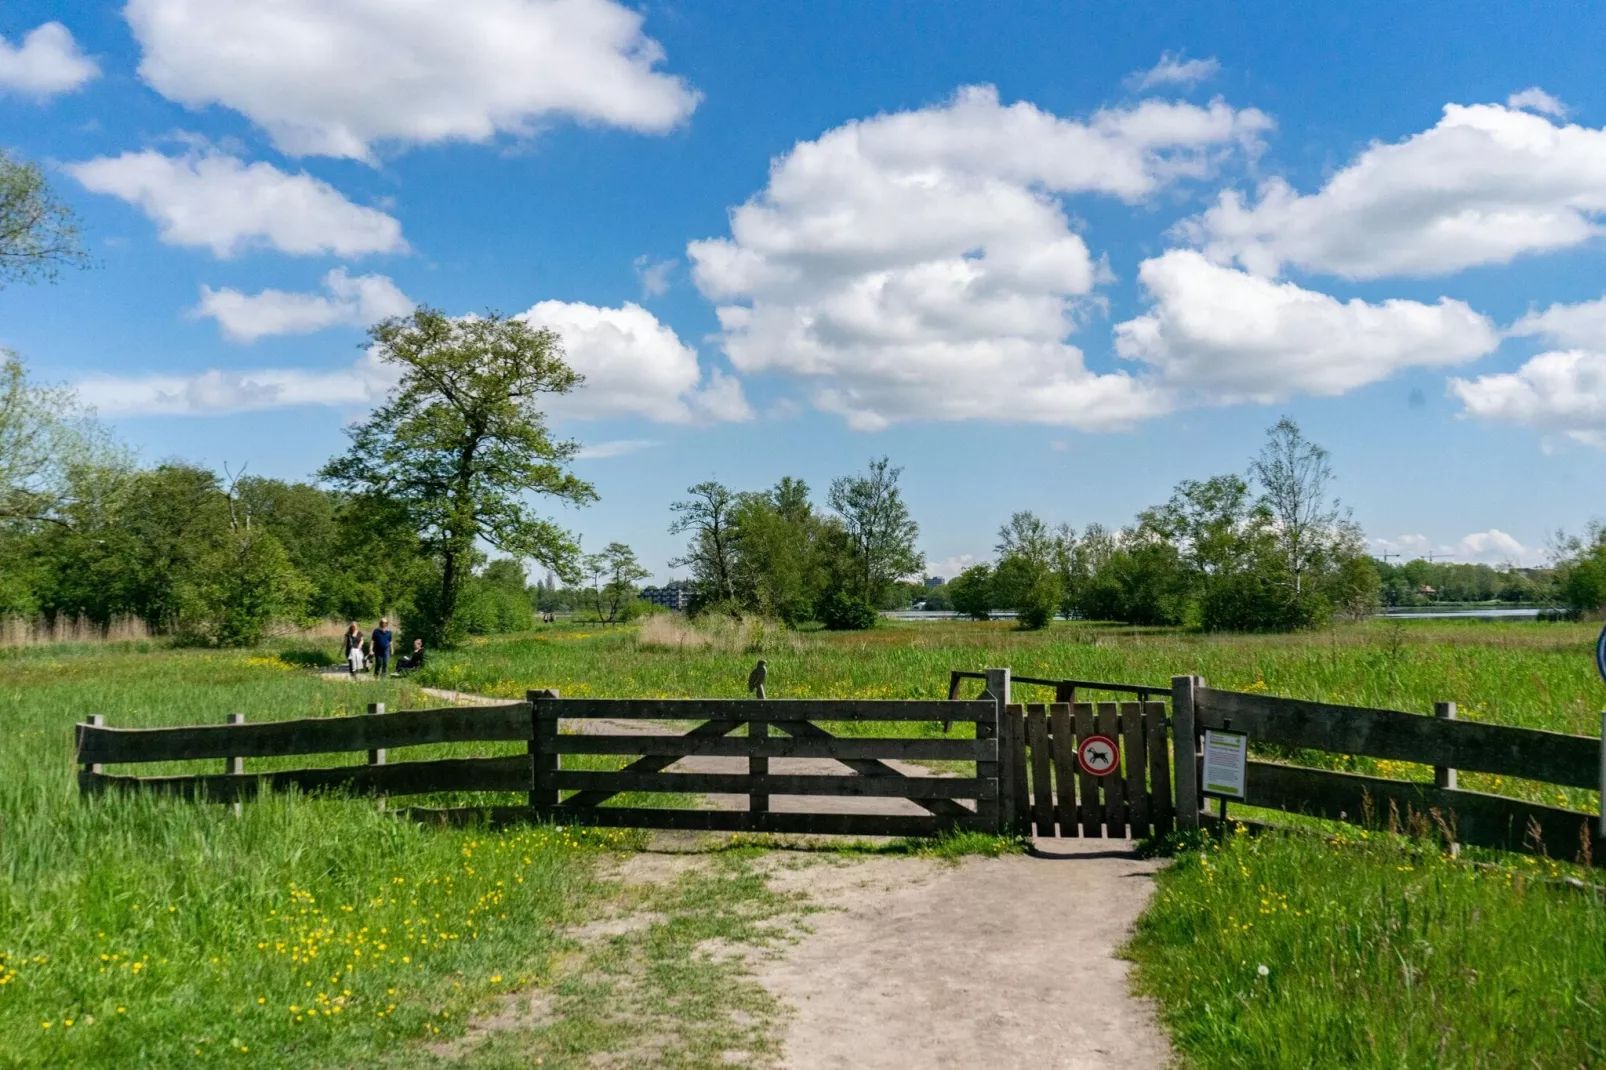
<point>1263,970</point>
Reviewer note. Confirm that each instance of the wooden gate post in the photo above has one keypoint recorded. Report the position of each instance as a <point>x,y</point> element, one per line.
<point>998,692</point>
<point>543,759</point>
<point>377,756</point>
<point>1185,750</point>
<point>235,766</point>
<point>1443,775</point>
<point>89,773</point>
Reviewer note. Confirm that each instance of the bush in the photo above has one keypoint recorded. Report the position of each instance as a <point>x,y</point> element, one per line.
<point>843,612</point>
<point>971,592</point>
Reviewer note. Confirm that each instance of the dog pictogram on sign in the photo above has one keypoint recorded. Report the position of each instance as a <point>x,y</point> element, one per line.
<point>1098,755</point>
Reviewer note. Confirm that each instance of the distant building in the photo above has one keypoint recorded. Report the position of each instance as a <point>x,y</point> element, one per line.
<point>672,597</point>
<point>934,581</point>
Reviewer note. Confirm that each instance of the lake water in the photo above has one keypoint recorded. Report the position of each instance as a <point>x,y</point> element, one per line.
<point>1417,613</point>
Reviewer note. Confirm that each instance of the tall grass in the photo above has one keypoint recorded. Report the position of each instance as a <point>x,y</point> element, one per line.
<point>1511,672</point>
<point>1359,951</point>
<point>138,931</point>
<point>46,631</point>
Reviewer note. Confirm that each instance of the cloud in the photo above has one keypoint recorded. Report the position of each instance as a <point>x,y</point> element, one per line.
<point>949,567</point>
<point>1562,392</point>
<point>1485,185</point>
<point>1535,99</point>
<point>1174,68</point>
<point>219,202</point>
<point>635,365</point>
<point>618,448</point>
<point>1231,336</point>
<point>336,78</point>
<point>1582,325</point>
<point>920,265</point>
<point>1492,547</point>
<point>352,301</point>
<point>48,62</point>
<point>218,392</point>
<point>654,274</point>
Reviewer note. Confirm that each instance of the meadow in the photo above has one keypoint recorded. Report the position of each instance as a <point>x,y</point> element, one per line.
<point>137,931</point>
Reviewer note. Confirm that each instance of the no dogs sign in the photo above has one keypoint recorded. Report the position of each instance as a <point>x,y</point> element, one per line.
<point>1098,755</point>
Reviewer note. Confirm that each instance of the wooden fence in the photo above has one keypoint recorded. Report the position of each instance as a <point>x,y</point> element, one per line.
<point>540,772</point>
<point>1440,741</point>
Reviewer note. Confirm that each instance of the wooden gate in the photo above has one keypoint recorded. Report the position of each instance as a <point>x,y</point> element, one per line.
<point>1053,795</point>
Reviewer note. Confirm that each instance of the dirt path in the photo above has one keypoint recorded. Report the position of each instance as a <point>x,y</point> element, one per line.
<point>996,962</point>
<point>993,962</point>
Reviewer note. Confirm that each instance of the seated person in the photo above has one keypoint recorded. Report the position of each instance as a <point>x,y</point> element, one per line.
<point>415,660</point>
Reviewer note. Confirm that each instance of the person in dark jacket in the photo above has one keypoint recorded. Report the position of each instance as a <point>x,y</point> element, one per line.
<point>379,647</point>
<point>415,660</point>
<point>351,651</point>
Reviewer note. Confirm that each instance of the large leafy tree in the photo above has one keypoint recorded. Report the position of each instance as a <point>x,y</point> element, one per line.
<point>37,233</point>
<point>880,532</point>
<point>708,513</point>
<point>462,442</point>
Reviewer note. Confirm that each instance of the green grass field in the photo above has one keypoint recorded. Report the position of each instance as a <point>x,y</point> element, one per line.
<point>318,931</point>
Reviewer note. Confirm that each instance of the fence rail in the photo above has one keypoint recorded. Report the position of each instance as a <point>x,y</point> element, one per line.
<point>1446,744</point>
<point>583,795</point>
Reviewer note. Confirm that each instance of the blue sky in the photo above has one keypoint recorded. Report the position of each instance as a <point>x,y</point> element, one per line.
<point>1044,256</point>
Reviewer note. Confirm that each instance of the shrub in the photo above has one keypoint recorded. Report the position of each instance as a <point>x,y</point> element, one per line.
<point>843,612</point>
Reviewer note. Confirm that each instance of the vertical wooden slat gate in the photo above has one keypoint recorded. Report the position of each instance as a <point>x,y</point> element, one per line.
<point>1053,796</point>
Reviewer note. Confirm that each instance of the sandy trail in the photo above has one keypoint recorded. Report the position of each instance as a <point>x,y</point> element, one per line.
<point>993,962</point>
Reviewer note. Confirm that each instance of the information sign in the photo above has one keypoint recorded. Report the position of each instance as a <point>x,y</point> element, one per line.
<point>1225,755</point>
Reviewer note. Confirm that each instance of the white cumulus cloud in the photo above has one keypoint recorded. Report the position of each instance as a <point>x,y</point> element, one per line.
<point>921,264</point>
<point>597,451</point>
<point>355,301</point>
<point>1492,547</point>
<point>635,366</point>
<point>220,392</point>
<point>1582,325</point>
<point>1174,68</point>
<point>47,62</point>
<point>337,77</point>
<point>219,202</point>
<point>1232,336</point>
<point>1485,185</point>
<point>1535,99</point>
<point>1561,393</point>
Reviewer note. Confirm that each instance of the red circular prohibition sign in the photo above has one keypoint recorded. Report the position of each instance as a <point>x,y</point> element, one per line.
<point>1098,755</point>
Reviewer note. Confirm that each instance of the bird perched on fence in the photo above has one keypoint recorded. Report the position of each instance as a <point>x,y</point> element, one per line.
<point>756,678</point>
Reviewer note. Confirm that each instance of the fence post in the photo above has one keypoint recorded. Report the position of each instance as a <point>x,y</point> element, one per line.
<point>92,769</point>
<point>1444,775</point>
<point>377,757</point>
<point>1003,768</point>
<point>543,759</point>
<point>1184,750</point>
<point>758,728</point>
<point>235,766</point>
<point>1603,773</point>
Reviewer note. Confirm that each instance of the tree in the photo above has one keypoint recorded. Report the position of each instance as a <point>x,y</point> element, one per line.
<point>47,441</point>
<point>881,535</point>
<point>615,574</point>
<point>37,232</point>
<point>1293,473</point>
<point>971,592</point>
<point>461,441</point>
<point>711,554</point>
<point>1028,578</point>
<point>780,546</point>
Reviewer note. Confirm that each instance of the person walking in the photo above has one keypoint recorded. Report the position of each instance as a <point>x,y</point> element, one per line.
<point>353,649</point>
<point>379,647</point>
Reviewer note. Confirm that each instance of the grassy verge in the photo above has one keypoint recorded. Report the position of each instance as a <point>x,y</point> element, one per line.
<point>1289,950</point>
<point>137,931</point>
